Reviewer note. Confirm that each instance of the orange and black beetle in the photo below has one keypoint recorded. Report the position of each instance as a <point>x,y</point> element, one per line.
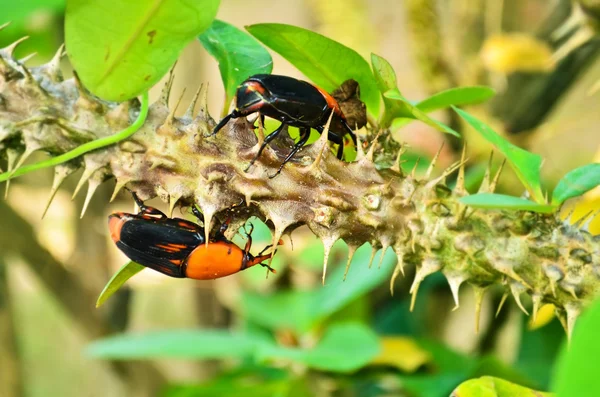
<point>176,247</point>
<point>293,102</point>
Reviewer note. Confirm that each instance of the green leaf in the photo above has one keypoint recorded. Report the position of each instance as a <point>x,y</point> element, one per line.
<point>192,344</point>
<point>122,48</point>
<point>525,164</point>
<point>576,374</point>
<point>576,183</point>
<point>456,97</point>
<point>126,271</point>
<point>343,348</point>
<point>310,307</point>
<point>414,112</point>
<point>502,201</point>
<point>324,61</point>
<point>488,386</point>
<point>239,55</point>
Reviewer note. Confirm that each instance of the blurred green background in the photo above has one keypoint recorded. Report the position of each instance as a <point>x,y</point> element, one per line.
<point>47,294</point>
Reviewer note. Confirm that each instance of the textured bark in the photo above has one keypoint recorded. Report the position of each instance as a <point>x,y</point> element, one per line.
<point>421,220</point>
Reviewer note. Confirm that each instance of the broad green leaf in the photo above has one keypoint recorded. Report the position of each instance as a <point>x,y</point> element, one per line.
<point>501,201</point>
<point>345,347</point>
<point>576,374</point>
<point>525,164</point>
<point>416,113</point>
<point>239,55</point>
<point>487,386</point>
<point>191,344</point>
<point>126,271</point>
<point>123,47</point>
<point>386,81</point>
<point>312,306</point>
<point>576,183</point>
<point>326,62</point>
<point>459,96</point>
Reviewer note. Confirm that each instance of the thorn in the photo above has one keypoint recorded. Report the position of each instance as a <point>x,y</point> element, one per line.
<point>502,300</point>
<point>454,281</point>
<point>92,186</point>
<point>552,286</point>
<point>383,250</point>
<point>577,224</point>
<point>61,172</point>
<point>371,151</point>
<point>323,141</point>
<point>327,244</point>
<point>433,161</point>
<point>397,270</point>
<point>485,183</point>
<point>166,91</point>
<point>203,107</point>
<point>171,116</point>
<point>431,184</point>
<point>24,157</point>
<point>569,218</point>
<point>87,173</point>
<point>537,303</point>
<point>398,163</point>
<point>561,315</point>
<point>360,152</point>
<point>586,225</point>
<point>516,289</point>
<point>2,27</point>
<point>172,201</point>
<point>27,58</point>
<point>414,170</point>
<point>208,217</point>
<point>53,67</point>
<point>118,186</point>
<point>351,251</point>
<point>429,266</point>
<point>460,180</point>
<point>277,234</point>
<point>573,311</point>
<point>189,113</point>
<point>479,293</point>
<point>12,156</point>
<point>373,252</point>
<point>497,177</point>
<point>10,49</point>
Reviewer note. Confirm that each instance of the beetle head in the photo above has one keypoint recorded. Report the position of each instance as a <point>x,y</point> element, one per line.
<point>250,97</point>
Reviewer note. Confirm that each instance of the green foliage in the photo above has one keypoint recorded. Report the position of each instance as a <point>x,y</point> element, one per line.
<point>324,61</point>
<point>525,164</point>
<point>126,271</point>
<point>141,45</point>
<point>395,104</point>
<point>576,183</point>
<point>502,201</point>
<point>576,373</point>
<point>239,55</point>
<point>488,386</point>
<point>459,96</point>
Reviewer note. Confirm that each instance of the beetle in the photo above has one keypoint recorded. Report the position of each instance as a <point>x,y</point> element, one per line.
<point>177,247</point>
<point>295,103</point>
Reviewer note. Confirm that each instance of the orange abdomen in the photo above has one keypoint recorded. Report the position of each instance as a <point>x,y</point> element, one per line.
<point>218,259</point>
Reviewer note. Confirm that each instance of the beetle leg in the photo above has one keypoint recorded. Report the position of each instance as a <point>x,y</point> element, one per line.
<point>198,214</point>
<point>249,241</point>
<point>350,132</point>
<point>267,140</point>
<point>304,135</point>
<point>144,209</point>
<point>233,115</point>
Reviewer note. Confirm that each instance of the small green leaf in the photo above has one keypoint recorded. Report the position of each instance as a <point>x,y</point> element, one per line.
<point>502,201</point>
<point>576,183</point>
<point>122,48</point>
<point>344,347</point>
<point>525,164</point>
<point>456,97</point>
<point>326,62</point>
<point>414,112</point>
<point>126,271</point>
<point>575,373</point>
<point>487,386</point>
<point>193,344</point>
<point>239,55</point>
